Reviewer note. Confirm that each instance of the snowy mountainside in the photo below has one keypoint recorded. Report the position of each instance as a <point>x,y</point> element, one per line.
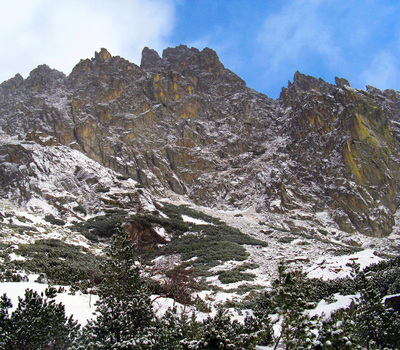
<point>205,173</point>
<point>184,123</point>
<point>319,248</point>
<point>55,179</point>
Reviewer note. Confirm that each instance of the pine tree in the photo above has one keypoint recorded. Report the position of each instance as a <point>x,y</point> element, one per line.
<point>124,312</point>
<point>338,332</point>
<point>288,301</point>
<point>221,333</point>
<point>174,331</point>
<point>378,326</point>
<point>37,323</point>
<point>5,323</point>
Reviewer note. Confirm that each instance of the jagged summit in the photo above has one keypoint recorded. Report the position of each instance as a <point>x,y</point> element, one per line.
<point>180,58</point>
<point>150,59</point>
<point>184,124</point>
<point>341,82</point>
<point>102,55</point>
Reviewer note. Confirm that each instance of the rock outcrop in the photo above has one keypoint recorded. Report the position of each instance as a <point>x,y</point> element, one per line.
<point>184,123</point>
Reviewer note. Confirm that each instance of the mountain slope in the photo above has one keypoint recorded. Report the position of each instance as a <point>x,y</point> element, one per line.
<point>184,123</point>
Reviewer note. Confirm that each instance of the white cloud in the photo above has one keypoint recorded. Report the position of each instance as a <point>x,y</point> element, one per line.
<point>59,33</point>
<point>384,71</point>
<point>352,39</point>
<point>298,29</point>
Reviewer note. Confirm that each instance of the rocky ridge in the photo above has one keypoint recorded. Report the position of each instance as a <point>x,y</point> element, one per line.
<point>184,124</point>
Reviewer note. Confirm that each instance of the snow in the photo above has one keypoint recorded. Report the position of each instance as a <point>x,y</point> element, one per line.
<point>81,306</point>
<point>326,309</point>
<point>330,267</point>
<point>15,257</point>
<point>195,221</point>
<point>162,304</point>
<point>162,233</point>
<point>390,296</point>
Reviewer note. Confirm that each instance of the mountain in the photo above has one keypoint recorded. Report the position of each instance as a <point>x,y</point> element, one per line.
<point>184,124</point>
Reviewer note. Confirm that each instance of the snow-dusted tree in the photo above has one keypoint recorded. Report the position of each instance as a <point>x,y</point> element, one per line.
<point>338,332</point>
<point>5,323</point>
<point>378,326</point>
<point>37,323</point>
<point>288,302</point>
<point>124,312</point>
<point>222,333</point>
<point>174,331</point>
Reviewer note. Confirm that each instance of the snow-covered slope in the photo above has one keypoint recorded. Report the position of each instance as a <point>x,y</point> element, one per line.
<point>311,179</point>
<point>184,123</point>
<point>58,180</point>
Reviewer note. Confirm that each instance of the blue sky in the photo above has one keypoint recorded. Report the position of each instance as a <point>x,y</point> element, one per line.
<point>264,42</point>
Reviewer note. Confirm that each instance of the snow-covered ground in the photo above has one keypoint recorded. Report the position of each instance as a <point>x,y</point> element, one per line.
<point>187,218</point>
<point>81,306</point>
<point>316,254</point>
<point>319,249</point>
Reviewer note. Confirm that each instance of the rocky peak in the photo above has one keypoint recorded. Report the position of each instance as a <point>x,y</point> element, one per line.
<point>348,133</point>
<point>104,67</point>
<point>302,82</point>
<point>373,90</point>
<point>184,123</point>
<point>180,56</point>
<point>341,82</point>
<point>43,78</point>
<point>102,55</point>
<point>150,59</point>
<point>12,84</point>
<point>182,59</point>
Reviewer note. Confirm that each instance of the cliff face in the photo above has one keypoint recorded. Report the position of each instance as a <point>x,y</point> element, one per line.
<point>184,123</point>
<point>344,145</point>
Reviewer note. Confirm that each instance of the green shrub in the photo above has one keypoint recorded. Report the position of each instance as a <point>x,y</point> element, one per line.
<point>176,212</point>
<point>103,189</point>
<point>207,250</point>
<point>233,276</point>
<point>54,221</point>
<point>100,226</point>
<point>62,263</point>
<point>210,244</point>
<point>79,208</point>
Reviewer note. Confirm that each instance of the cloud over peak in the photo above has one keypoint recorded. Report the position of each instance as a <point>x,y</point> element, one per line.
<point>61,33</point>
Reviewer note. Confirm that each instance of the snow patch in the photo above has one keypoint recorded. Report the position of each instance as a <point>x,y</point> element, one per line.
<point>195,221</point>
<point>326,309</point>
<point>81,306</point>
<point>332,267</point>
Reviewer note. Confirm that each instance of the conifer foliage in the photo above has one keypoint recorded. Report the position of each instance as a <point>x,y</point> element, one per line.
<point>126,320</point>
<point>124,312</point>
<point>289,303</point>
<point>37,323</point>
<point>339,331</point>
<point>378,325</point>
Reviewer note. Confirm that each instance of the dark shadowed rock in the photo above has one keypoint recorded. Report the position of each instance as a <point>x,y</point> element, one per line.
<point>184,123</point>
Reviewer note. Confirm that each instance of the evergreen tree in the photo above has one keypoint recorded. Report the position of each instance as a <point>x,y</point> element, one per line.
<point>378,326</point>
<point>175,332</point>
<point>124,312</point>
<point>338,332</point>
<point>288,301</point>
<point>222,333</point>
<point>37,323</point>
<point>5,323</point>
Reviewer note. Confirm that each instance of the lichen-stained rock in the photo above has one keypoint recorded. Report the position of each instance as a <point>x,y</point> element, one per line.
<point>55,178</point>
<point>182,122</point>
<point>343,143</point>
